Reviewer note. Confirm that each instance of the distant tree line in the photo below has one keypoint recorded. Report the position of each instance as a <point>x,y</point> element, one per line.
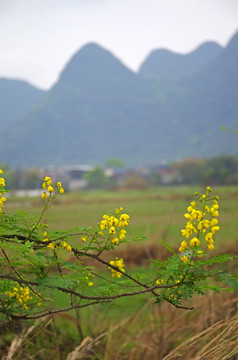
<point>220,170</point>
<point>217,170</point>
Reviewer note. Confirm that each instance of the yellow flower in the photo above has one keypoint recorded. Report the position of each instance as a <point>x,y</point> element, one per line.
<point>183,246</point>
<point>213,222</point>
<point>68,248</point>
<point>124,220</point>
<point>90,283</point>
<point>2,182</point>
<point>48,180</point>
<point>83,238</point>
<point>51,246</point>
<point>209,238</point>
<point>124,217</point>
<point>44,185</point>
<point>122,234</point>
<point>50,189</point>
<point>118,210</point>
<point>188,216</point>
<point>113,221</point>
<point>210,246</point>
<point>44,195</point>
<point>214,229</point>
<point>112,230</point>
<point>103,225</point>
<point>196,214</point>
<point>159,282</point>
<point>194,242</point>
<point>184,259</point>
<point>200,253</point>
<point>114,240</point>
<point>203,225</point>
<point>120,265</point>
<point>189,229</point>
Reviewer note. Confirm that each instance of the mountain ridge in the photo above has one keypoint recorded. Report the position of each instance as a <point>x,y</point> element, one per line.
<point>22,94</point>
<point>165,63</point>
<point>100,109</point>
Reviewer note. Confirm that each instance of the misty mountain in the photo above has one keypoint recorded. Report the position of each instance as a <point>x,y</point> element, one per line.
<point>165,64</point>
<point>100,109</point>
<point>16,98</point>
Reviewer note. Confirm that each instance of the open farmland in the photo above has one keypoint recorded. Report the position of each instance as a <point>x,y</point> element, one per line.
<point>155,213</point>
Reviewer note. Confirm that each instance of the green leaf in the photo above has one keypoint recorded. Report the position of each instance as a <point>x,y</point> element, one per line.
<point>229,280</point>
<point>168,247</point>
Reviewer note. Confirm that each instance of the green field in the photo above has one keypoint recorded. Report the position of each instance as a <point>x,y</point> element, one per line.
<point>155,213</point>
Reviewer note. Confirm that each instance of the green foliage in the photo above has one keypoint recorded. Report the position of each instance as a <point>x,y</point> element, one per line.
<point>115,163</point>
<point>96,178</point>
<point>222,170</point>
<point>35,266</point>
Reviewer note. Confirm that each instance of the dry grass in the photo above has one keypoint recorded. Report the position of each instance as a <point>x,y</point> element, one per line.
<point>210,332</point>
<point>201,334</point>
<point>220,339</point>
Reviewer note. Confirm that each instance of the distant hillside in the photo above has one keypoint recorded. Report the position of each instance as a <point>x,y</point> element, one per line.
<point>99,109</point>
<point>212,96</point>
<point>16,98</point>
<point>165,64</point>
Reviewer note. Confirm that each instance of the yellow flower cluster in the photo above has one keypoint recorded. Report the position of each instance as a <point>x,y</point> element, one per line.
<point>160,281</point>
<point>201,220</point>
<point>90,282</point>
<point>21,294</point>
<point>63,245</point>
<point>48,185</point>
<point>119,263</point>
<point>113,223</point>
<point>66,246</point>
<point>2,198</point>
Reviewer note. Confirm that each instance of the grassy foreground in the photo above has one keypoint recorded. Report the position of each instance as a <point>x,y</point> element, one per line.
<point>134,328</point>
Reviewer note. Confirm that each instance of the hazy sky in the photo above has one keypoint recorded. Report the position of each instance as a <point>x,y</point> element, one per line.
<point>38,37</point>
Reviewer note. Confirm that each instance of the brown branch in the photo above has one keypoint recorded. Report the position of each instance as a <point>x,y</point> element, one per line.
<point>115,283</point>
<point>78,253</point>
<point>51,312</point>
<point>98,298</point>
